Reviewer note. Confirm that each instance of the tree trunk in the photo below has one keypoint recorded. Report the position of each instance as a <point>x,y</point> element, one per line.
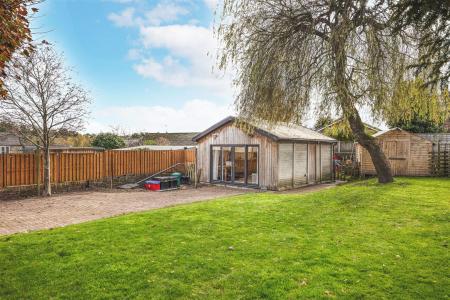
<point>347,103</point>
<point>379,160</point>
<point>47,179</point>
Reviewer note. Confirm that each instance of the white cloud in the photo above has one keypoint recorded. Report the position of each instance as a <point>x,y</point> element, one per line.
<point>174,54</point>
<point>162,13</point>
<point>122,1</point>
<point>212,4</point>
<point>194,115</point>
<point>190,60</point>
<point>134,54</point>
<point>165,12</point>
<point>124,19</point>
<point>169,71</point>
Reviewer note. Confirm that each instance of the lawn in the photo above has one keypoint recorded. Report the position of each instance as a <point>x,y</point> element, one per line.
<point>360,240</point>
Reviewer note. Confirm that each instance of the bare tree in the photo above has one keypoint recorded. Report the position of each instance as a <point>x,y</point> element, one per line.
<point>42,100</point>
<point>343,52</point>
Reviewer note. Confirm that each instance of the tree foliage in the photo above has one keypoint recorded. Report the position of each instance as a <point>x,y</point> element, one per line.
<point>431,21</point>
<point>149,142</point>
<point>418,125</point>
<point>417,108</point>
<point>75,140</point>
<point>108,141</point>
<point>323,121</point>
<point>346,54</point>
<point>15,32</point>
<point>341,131</point>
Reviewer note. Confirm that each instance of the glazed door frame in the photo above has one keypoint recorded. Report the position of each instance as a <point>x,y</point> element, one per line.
<point>233,164</point>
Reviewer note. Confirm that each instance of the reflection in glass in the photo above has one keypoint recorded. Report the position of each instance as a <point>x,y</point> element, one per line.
<point>216,164</point>
<point>252,165</point>
<point>239,164</point>
<point>227,164</point>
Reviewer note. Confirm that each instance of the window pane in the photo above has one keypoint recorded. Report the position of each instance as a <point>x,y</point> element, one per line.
<point>252,163</point>
<point>216,163</point>
<point>227,163</point>
<point>239,164</point>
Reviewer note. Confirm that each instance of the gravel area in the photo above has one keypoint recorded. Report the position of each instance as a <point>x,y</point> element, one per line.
<point>60,210</point>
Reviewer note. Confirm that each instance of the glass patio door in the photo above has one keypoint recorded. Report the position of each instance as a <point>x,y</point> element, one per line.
<point>240,168</point>
<point>228,164</point>
<point>235,164</point>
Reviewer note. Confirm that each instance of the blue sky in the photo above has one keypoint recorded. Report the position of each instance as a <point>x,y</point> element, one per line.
<point>148,64</point>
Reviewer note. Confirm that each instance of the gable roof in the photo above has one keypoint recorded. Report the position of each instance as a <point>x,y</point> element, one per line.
<point>382,132</point>
<point>278,132</point>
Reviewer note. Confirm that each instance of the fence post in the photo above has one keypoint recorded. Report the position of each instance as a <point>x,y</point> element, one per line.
<point>111,167</point>
<point>195,170</point>
<point>3,170</point>
<point>37,158</point>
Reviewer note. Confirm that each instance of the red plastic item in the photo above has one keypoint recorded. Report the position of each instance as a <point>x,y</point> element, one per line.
<point>152,186</point>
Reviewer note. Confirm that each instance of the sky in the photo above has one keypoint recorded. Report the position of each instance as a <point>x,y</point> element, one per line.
<point>148,64</point>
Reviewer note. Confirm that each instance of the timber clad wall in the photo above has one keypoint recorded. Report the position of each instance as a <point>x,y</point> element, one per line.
<point>408,154</point>
<point>229,134</point>
<point>302,162</point>
<point>287,157</point>
<point>22,169</point>
<point>285,165</point>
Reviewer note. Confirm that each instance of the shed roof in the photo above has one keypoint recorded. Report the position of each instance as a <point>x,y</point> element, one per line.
<point>382,132</point>
<point>278,132</point>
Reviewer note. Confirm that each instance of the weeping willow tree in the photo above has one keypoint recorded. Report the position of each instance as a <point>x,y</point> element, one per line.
<point>417,108</point>
<point>288,54</point>
<point>341,130</point>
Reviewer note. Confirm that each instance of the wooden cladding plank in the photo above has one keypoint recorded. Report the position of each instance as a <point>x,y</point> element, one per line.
<point>285,169</point>
<point>300,164</point>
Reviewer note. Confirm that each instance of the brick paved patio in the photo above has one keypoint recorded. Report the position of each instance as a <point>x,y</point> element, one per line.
<point>60,210</point>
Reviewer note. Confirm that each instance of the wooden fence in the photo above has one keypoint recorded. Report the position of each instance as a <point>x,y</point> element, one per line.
<point>27,169</point>
<point>440,161</point>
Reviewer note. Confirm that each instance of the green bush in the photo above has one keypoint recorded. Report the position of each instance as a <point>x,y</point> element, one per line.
<point>149,142</point>
<point>108,141</point>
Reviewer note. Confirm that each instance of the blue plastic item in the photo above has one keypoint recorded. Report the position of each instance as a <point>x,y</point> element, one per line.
<point>152,182</point>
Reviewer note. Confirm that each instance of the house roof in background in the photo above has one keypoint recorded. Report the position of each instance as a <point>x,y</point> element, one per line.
<point>9,139</point>
<point>65,148</point>
<point>278,132</point>
<point>155,147</point>
<point>340,119</point>
<point>174,138</point>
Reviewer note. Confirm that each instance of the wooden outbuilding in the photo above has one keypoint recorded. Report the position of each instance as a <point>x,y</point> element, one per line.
<point>408,153</point>
<point>269,157</point>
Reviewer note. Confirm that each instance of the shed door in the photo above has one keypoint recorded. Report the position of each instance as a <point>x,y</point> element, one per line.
<point>300,164</point>
<point>397,152</point>
<point>285,165</point>
<point>311,163</point>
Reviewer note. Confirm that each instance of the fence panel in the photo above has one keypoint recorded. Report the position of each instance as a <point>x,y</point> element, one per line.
<point>28,169</point>
<point>440,161</point>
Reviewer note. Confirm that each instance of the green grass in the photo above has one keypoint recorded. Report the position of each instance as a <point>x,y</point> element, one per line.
<point>360,240</point>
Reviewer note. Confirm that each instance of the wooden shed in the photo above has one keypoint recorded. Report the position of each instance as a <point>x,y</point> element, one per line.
<point>408,153</point>
<point>270,157</point>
